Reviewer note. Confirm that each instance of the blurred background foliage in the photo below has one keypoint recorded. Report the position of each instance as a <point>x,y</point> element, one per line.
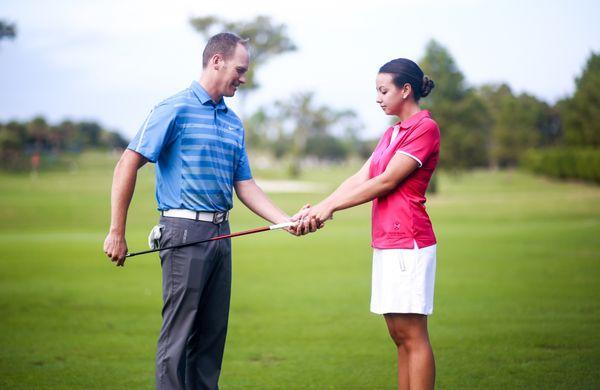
<point>483,126</point>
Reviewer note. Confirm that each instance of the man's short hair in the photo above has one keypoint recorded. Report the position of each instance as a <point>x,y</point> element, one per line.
<point>222,43</point>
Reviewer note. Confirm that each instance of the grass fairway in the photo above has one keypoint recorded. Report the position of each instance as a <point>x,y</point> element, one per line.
<point>517,293</point>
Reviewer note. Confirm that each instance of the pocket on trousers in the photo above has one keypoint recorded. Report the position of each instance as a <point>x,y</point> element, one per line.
<point>407,262</point>
<point>402,264</point>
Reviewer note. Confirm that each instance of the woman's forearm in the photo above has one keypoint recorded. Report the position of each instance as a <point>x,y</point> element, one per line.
<point>353,181</point>
<point>354,195</point>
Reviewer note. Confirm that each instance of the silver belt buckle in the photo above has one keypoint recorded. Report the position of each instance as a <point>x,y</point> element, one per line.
<point>219,217</point>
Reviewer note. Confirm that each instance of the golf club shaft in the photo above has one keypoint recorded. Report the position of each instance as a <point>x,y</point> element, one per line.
<point>242,233</point>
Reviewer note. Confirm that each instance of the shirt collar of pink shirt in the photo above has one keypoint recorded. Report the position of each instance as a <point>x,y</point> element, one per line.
<point>414,119</point>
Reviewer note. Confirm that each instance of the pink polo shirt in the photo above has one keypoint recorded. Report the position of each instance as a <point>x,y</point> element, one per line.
<point>399,218</point>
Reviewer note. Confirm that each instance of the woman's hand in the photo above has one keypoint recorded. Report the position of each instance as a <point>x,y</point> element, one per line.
<point>298,218</point>
<point>321,213</point>
<point>314,218</point>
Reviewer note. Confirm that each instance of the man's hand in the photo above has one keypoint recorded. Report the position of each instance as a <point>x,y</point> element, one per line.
<point>115,247</point>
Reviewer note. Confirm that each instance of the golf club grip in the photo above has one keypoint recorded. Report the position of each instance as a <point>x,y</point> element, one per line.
<point>257,230</point>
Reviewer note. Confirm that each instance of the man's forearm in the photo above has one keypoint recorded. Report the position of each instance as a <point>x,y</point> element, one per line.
<point>124,178</point>
<point>258,202</point>
<point>123,185</point>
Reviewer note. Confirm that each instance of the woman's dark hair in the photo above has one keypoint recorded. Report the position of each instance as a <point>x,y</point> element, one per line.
<point>405,71</point>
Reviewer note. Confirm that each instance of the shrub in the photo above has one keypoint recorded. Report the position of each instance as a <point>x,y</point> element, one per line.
<point>564,163</point>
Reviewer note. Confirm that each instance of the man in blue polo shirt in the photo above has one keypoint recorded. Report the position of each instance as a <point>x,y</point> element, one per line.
<point>197,143</point>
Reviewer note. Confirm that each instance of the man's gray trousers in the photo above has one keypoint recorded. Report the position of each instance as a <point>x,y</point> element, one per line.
<point>196,282</point>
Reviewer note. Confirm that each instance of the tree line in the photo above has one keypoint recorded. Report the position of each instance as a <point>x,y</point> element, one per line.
<point>491,126</point>
<point>482,126</point>
<point>24,142</point>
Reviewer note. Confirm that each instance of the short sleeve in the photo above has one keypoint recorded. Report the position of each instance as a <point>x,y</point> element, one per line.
<point>423,140</point>
<point>242,171</point>
<point>156,132</point>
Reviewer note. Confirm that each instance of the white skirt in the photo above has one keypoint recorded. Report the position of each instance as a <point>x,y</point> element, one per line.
<point>403,280</point>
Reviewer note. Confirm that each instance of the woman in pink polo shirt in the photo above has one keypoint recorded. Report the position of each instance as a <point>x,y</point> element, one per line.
<point>395,178</point>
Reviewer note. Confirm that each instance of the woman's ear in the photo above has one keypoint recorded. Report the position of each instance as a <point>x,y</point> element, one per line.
<point>406,91</point>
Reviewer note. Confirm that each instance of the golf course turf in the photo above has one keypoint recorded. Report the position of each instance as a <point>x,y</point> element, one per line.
<point>516,301</point>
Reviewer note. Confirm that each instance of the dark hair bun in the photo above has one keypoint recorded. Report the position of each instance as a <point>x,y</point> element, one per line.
<point>427,86</point>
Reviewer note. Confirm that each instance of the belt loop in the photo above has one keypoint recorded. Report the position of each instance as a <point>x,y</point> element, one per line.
<point>197,215</point>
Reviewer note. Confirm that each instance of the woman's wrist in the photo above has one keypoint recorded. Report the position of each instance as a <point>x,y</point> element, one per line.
<point>330,206</point>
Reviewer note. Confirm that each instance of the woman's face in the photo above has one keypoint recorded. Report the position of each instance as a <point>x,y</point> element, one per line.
<point>389,97</point>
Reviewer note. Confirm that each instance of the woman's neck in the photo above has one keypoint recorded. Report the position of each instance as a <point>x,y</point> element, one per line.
<point>408,109</point>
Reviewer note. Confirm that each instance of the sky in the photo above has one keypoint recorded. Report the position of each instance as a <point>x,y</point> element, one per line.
<point>112,61</point>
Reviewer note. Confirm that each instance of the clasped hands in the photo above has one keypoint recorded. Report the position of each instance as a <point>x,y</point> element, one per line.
<point>311,218</point>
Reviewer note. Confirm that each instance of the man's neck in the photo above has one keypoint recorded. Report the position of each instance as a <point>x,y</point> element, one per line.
<point>210,88</point>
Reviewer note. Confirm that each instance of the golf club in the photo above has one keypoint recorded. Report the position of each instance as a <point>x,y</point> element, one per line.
<point>242,233</point>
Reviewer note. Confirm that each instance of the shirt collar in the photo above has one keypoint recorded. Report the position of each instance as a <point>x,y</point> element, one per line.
<point>414,119</point>
<point>205,98</point>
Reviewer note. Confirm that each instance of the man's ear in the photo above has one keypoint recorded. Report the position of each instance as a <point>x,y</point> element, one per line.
<point>216,61</point>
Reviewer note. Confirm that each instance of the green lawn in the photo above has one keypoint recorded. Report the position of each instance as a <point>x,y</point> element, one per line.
<point>517,293</point>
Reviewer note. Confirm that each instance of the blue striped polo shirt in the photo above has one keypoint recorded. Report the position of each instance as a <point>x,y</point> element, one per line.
<point>199,150</point>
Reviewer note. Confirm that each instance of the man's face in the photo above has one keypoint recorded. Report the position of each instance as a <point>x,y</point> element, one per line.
<point>233,70</point>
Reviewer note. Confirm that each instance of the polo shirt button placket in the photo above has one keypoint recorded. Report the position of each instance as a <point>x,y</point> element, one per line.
<point>216,123</point>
